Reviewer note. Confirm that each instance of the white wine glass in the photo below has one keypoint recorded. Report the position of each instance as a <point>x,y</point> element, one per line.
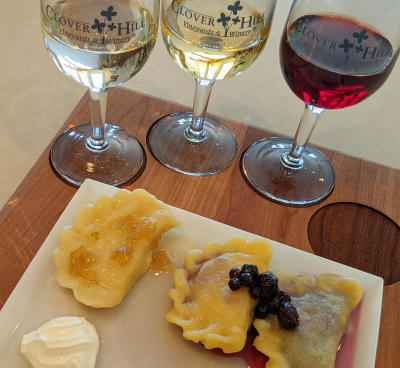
<point>333,54</point>
<point>211,40</point>
<point>99,44</point>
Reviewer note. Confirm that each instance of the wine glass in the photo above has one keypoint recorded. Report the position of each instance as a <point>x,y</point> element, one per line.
<point>98,44</point>
<point>210,40</point>
<point>333,54</point>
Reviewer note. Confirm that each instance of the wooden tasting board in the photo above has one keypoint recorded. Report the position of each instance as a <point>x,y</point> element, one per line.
<point>357,225</point>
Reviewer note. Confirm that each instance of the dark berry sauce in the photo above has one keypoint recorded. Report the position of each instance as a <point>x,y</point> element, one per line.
<point>252,357</point>
<point>345,354</point>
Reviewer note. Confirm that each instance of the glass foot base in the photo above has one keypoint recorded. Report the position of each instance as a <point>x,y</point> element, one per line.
<point>167,142</point>
<point>116,164</point>
<point>262,167</point>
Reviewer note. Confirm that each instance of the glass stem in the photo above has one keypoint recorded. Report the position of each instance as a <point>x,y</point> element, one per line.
<point>308,121</point>
<point>195,133</point>
<point>98,105</point>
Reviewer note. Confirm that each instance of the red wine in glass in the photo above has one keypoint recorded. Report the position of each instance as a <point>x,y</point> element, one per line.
<point>332,61</point>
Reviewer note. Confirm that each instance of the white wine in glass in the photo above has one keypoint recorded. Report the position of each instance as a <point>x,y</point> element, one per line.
<point>210,40</point>
<point>99,45</point>
<point>214,57</point>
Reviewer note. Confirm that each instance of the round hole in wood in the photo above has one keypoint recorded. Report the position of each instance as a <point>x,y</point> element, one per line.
<point>358,236</point>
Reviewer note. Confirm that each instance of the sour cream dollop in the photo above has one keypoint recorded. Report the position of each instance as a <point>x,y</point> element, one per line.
<point>65,342</point>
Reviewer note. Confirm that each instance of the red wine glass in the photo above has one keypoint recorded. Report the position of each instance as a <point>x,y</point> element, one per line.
<point>333,54</point>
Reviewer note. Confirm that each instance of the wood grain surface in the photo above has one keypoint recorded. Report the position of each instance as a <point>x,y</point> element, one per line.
<point>343,231</point>
<point>34,208</point>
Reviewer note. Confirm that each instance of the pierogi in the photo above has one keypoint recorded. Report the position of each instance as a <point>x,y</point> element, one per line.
<point>110,246</point>
<point>324,305</point>
<point>205,307</point>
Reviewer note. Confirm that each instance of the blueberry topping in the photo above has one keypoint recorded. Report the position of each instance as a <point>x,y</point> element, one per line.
<point>283,296</point>
<point>268,280</point>
<point>255,291</point>
<point>234,283</point>
<point>234,272</point>
<point>268,285</point>
<point>264,287</point>
<point>280,297</point>
<point>261,310</point>
<point>274,306</point>
<point>246,279</point>
<point>287,316</point>
<point>253,269</point>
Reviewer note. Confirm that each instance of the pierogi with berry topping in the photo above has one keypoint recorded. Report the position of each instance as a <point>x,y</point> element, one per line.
<point>205,307</point>
<point>110,246</point>
<point>324,304</point>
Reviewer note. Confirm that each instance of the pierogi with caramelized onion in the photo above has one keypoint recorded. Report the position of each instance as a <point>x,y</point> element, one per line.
<point>205,307</point>
<point>110,246</point>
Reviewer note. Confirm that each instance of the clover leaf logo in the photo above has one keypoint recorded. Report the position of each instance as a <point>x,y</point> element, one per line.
<point>346,46</point>
<point>235,7</point>
<point>98,25</point>
<point>225,19</point>
<point>108,15</point>
<point>236,20</point>
<point>361,36</point>
<point>359,49</point>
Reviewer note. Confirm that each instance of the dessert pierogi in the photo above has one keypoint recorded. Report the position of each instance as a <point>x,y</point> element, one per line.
<point>324,305</point>
<point>204,306</point>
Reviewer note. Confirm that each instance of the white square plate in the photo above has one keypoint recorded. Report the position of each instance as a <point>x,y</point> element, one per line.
<point>136,333</point>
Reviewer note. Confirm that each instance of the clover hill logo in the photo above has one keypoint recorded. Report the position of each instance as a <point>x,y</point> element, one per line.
<point>233,21</point>
<point>360,46</point>
<point>347,45</point>
<point>111,30</point>
<point>108,15</point>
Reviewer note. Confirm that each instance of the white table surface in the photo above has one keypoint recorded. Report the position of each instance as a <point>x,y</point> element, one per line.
<point>36,98</point>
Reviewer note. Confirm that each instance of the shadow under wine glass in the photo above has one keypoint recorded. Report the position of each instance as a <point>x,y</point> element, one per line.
<point>331,60</point>
<point>210,40</point>
<point>99,46</point>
